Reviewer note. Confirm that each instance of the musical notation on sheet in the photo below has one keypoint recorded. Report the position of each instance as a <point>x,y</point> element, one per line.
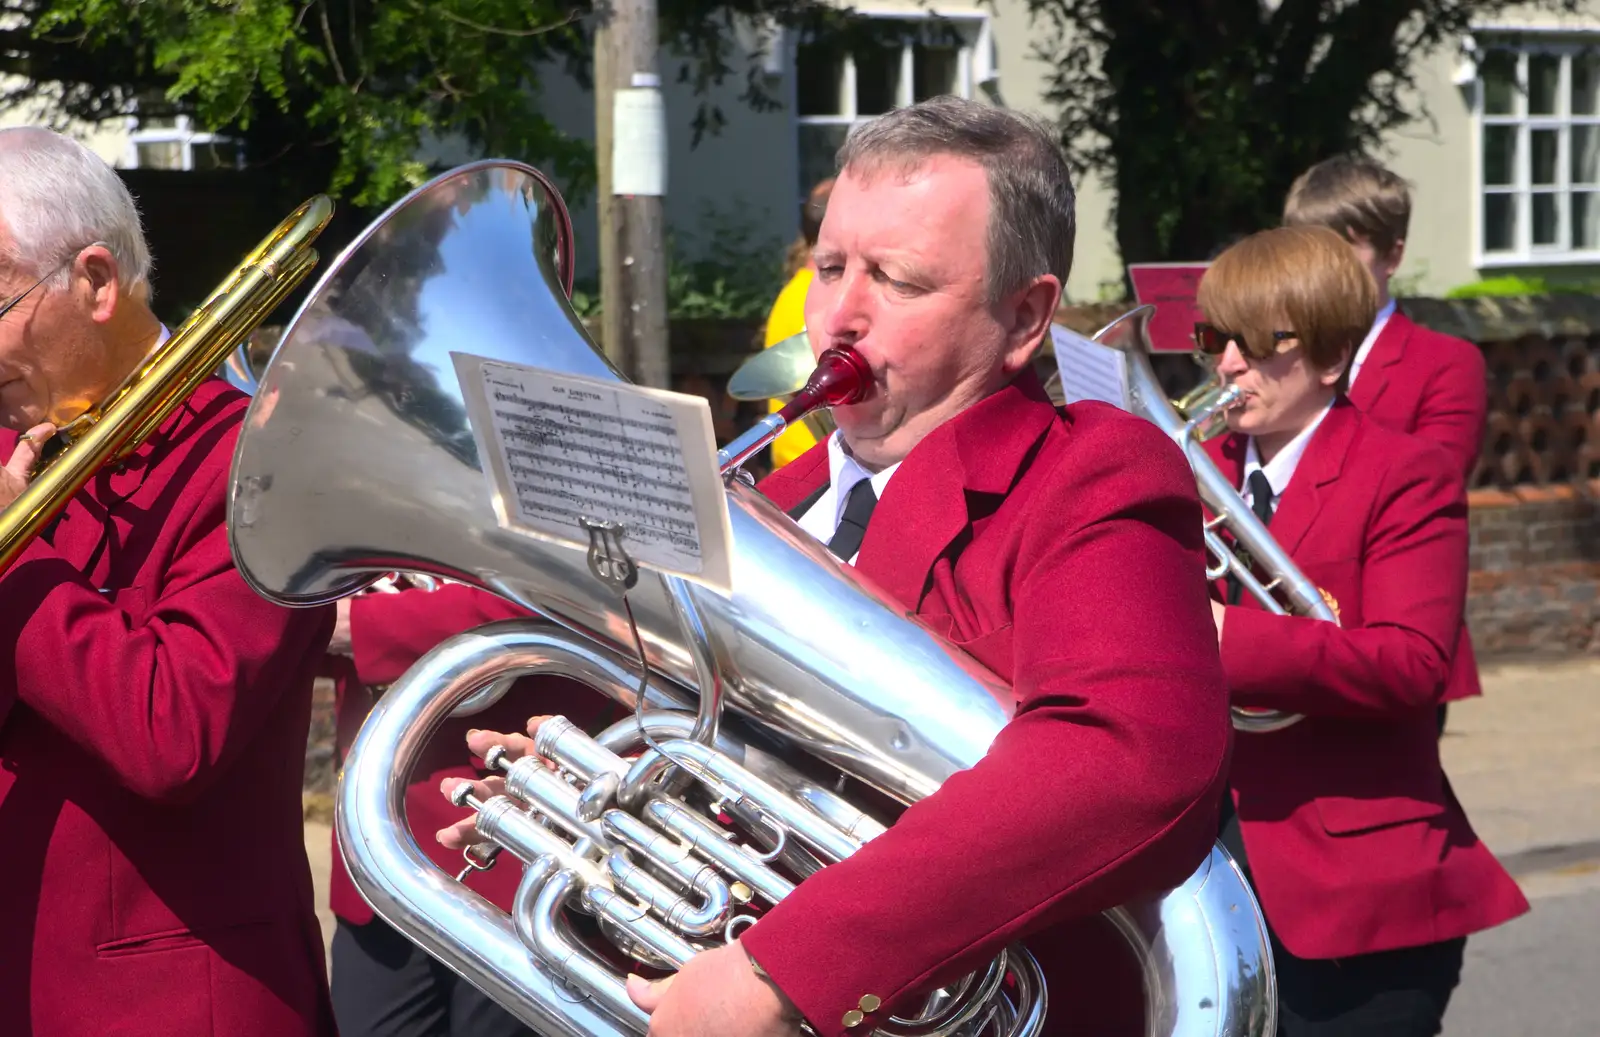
<point>560,448</point>
<point>1089,371</point>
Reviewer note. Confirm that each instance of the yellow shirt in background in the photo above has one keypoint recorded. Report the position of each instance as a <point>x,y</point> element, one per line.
<point>788,318</point>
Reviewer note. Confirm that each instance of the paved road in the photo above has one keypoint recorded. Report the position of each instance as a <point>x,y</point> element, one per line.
<point>1525,761</point>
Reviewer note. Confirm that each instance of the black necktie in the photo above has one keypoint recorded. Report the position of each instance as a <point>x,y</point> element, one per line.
<point>853,526</point>
<point>1261,505</point>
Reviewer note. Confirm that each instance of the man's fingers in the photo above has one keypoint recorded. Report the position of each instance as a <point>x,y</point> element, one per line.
<point>645,994</point>
<point>516,746</point>
<point>29,446</point>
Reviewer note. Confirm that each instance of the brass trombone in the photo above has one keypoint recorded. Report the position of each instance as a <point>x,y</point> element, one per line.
<point>136,408</point>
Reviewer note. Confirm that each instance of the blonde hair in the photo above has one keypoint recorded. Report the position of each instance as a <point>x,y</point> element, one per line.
<point>1307,276</point>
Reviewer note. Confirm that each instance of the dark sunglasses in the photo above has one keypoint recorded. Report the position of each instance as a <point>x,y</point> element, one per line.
<point>1213,341</point>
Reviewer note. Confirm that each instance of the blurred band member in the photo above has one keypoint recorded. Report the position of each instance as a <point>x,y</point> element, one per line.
<point>1369,874</point>
<point>155,709</point>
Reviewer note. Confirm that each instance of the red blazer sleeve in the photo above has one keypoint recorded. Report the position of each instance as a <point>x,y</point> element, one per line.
<point>1413,592</point>
<point>1453,410</point>
<point>1104,786</point>
<point>167,699</point>
<point>390,632</point>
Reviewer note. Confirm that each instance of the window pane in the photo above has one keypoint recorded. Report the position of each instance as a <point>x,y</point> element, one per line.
<point>1499,155</point>
<point>165,154</point>
<point>218,155</point>
<point>1499,222</point>
<point>1544,146</point>
<point>819,145</point>
<point>1585,219</point>
<point>937,71</point>
<point>1586,154</point>
<point>877,79</point>
<point>1586,83</point>
<point>1546,225</point>
<point>1544,82</point>
<point>1499,72</point>
<point>819,80</point>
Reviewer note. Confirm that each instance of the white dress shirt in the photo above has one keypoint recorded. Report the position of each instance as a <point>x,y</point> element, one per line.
<point>1281,468</point>
<point>821,520</point>
<point>1372,336</point>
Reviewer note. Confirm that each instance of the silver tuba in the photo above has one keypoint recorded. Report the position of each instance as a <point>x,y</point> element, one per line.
<point>357,459</point>
<point>1189,423</point>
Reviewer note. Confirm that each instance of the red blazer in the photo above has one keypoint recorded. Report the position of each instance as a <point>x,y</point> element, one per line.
<point>1063,551</point>
<point>151,763</point>
<point>390,632</point>
<point>1436,386</point>
<point>1355,840</point>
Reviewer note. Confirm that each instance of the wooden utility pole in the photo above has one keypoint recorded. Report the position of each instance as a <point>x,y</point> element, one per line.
<point>631,148</point>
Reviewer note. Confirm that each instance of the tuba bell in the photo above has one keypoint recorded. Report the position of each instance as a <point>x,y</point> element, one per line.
<point>135,409</point>
<point>1189,421</point>
<point>665,832</point>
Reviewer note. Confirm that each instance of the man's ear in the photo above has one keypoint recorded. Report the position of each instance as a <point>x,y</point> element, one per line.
<point>96,269</point>
<point>1396,256</point>
<point>1031,310</point>
<point>1330,377</point>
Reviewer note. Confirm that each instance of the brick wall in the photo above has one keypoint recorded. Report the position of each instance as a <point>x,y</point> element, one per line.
<point>1534,585</point>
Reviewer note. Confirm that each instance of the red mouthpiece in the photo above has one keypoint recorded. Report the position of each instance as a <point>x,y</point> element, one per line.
<point>842,377</point>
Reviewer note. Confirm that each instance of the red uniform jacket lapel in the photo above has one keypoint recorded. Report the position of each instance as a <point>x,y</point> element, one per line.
<point>974,459</point>
<point>1303,500</point>
<point>1387,351</point>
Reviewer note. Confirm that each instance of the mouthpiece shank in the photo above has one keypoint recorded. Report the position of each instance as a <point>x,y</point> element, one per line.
<point>841,378</point>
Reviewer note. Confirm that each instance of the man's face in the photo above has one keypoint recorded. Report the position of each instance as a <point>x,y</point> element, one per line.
<point>50,368</point>
<point>902,265</point>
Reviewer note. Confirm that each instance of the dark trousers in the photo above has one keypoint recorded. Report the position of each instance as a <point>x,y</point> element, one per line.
<point>386,986</point>
<point>1398,993</point>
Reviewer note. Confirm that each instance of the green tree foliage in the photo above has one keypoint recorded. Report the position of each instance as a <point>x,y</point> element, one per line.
<point>342,95</point>
<point>1202,113</point>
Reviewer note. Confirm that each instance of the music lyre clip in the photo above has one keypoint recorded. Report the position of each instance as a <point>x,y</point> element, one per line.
<point>608,558</point>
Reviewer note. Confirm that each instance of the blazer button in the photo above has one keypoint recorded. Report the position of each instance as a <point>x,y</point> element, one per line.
<point>853,1018</point>
<point>871,1003</point>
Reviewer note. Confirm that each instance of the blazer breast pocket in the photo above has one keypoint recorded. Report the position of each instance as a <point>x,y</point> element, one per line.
<point>1344,815</point>
<point>135,601</point>
<point>992,648</point>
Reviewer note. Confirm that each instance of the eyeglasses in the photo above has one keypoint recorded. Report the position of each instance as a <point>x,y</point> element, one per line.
<point>73,258</point>
<point>1213,341</point>
<point>7,308</point>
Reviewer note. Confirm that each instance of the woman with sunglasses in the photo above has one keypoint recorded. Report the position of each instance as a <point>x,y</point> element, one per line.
<point>1366,867</point>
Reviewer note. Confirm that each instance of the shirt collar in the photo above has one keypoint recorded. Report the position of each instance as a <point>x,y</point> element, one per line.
<point>845,471</point>
<point>1281,468</point>
<point>1371,339</point>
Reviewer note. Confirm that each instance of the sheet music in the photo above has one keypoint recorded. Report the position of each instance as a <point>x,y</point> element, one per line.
<point>559,448</point>
<point>1087,370</point>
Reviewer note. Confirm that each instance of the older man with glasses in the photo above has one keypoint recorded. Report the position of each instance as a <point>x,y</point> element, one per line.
<point>153,709</point>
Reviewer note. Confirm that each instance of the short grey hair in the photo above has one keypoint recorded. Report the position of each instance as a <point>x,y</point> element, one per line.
<point>57,198</point>
<point>1032,219</point>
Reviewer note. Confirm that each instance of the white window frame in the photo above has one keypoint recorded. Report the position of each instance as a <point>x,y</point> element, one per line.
<point>974,67</point>
<point>1562,43</point>
<point>183,133</point>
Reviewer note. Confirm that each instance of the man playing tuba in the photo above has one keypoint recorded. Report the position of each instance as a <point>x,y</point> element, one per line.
<point>1062,549</point>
